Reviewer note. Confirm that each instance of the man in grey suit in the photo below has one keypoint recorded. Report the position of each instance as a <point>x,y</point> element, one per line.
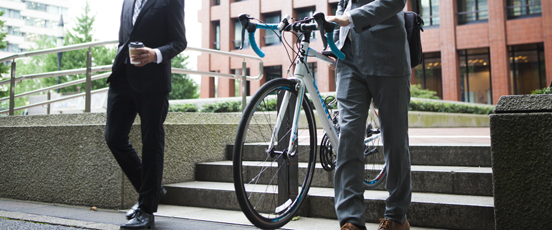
<point>377,66</point>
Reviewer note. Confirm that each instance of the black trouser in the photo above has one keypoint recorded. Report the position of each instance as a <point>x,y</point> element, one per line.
<point>123,104</point>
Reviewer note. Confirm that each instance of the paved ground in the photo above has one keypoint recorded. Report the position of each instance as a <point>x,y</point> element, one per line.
<point>16,214</point>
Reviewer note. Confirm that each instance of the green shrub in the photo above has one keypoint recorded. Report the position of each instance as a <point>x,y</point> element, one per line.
<point>543,91</point>
<point>268,105</point>
<point>182,108</point>
<point>444,107</point>
<point>417,92</point>
<point>222,107</point>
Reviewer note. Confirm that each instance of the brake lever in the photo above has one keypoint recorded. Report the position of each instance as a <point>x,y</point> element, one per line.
<point>246,25</point>
<point>321,21</point>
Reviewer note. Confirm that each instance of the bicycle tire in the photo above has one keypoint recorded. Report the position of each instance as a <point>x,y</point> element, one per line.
<point>253,167</point>
<point>374,167</point>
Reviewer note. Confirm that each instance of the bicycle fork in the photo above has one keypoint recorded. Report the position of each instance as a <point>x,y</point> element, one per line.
<point>292,148</point>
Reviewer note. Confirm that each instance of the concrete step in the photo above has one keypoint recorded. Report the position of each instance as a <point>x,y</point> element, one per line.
<point>439,155</point>
<point>434,179</point>
<point>430,210</point>
<point>238,218</point>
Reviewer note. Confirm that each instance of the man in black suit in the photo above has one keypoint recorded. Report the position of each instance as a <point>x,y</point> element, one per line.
<point>143,89</point>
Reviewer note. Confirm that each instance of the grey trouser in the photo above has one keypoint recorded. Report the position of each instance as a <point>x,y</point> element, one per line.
<point>391,96</point>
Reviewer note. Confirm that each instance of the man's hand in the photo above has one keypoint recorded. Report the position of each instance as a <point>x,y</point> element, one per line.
<point>341,20</point>
<point>145,56</point>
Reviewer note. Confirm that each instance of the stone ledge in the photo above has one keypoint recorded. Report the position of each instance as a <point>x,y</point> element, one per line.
<point>524,103</point>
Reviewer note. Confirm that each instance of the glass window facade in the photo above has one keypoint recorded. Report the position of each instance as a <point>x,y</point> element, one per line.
<point>472,11</point>
<point>238,83</point>
<point>430,12</point>
<point>475,74</point>
<point>9,13</point>
<point>305,13</point>
<point>429,73</point>
<point>273,72</point>
<point>216,43</point>
<point>237,36</point>
<point>521,8</point>
<point>313,68</point>
<point>37,6</point>
<point>333,9</point>
<point>270,38</point>
<point>216,2</point>
<point>527,68</point>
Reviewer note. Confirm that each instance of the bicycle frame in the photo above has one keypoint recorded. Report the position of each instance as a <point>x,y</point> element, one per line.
<point>305,81</point>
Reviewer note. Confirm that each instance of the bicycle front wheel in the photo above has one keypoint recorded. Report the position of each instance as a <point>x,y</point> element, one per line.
<point>270,184</point>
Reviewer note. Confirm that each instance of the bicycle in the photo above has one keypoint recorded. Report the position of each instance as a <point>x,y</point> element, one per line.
<point>270,183</point>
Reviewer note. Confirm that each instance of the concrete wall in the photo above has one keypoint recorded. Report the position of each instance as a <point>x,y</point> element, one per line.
<point>521,134</point>
<point>64,158</point>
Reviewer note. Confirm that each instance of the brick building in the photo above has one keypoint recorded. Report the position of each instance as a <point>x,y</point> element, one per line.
<point>474,50</point>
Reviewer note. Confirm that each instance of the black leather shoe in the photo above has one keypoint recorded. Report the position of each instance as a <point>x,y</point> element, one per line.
<point>141,220</point>
<point>130,213</point>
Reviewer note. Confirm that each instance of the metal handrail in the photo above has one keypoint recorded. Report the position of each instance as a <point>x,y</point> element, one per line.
<point>58,49</point>
<point>62,85</point>
<point>89,70</point>
<point>58,73</point>
<point>59,99</point>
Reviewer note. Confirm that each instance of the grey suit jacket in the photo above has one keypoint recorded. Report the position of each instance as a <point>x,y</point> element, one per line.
<point>378,38</point>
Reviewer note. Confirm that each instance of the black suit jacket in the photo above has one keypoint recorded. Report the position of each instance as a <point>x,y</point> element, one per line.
<point>160,25</point>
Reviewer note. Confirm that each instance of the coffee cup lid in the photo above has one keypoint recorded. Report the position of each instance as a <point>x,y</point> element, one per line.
<point>136,44</point>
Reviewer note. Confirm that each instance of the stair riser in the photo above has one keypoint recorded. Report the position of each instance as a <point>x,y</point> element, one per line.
<point>473,156</point>
<point>419,214</point>
<point>422,181</point>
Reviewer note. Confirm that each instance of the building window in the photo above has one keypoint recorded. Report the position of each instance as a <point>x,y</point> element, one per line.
<point>239,83</point>
<point>15,31</point>
<point>333,9</point>
<point>475,73</point>
<point>429,74</point>
<point>472,11</point>
<point>273,72</point>
<point>270,38</point>
<point>38,22</point>
<point>237,35</point>
<point>521,8</point>
<point>216,42</point>
<point>216,2</point>
<point>9,13</point>
<point>306,13</point>
<point>527,68</point>
<point>430,12</point>
<point>313,68</point>
<point>37,6</point>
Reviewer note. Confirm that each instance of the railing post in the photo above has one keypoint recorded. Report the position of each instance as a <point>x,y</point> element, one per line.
<point>244,85</point>
<point>48,99</point>
<point>12,88</point>
<point>88,98</point>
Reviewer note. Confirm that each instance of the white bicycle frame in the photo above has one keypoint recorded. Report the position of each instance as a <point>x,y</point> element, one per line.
<point>305,81</point>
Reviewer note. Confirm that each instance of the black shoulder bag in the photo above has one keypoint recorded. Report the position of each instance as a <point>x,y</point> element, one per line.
<point>414,26</point>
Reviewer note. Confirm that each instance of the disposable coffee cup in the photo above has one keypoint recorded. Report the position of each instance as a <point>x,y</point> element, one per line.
<point>132,51</point>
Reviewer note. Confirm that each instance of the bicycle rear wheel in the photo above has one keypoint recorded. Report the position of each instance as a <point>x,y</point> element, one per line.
<point>263,196</point>
<point>374,167</point>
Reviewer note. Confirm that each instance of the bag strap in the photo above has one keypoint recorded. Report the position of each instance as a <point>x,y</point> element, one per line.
<point>417,7</point>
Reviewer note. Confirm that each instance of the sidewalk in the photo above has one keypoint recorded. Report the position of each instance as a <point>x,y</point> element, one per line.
<point>168,217</point>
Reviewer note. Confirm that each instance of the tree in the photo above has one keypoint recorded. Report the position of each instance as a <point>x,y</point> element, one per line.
<point>3,68</point>
<point>183,87</point>
<point>82,33</point>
